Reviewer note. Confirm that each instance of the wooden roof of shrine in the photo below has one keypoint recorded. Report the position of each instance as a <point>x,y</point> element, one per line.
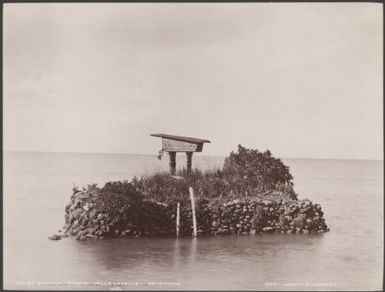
<point>181,138</point>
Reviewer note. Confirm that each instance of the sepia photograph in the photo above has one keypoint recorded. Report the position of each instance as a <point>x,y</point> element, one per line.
<point>193,146</point>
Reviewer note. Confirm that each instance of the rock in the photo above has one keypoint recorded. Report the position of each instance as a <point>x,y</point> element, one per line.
<point>90,230</point>
<point>82,232</point>
<point>80,237</point>
<point>299,221</point>
<point>267,202</point>
<point>54,237</point>
<point>267,229</point>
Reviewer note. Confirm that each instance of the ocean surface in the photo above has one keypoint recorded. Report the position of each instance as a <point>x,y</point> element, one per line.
<point>37,186</point>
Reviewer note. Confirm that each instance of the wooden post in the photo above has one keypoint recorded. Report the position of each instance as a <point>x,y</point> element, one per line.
<point>189,160</point>
<point>191,191</point>
<point>177,219</point>
<point>172,163</point>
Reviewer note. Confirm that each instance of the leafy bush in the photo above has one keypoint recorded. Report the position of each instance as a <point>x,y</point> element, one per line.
<point>256,169</point>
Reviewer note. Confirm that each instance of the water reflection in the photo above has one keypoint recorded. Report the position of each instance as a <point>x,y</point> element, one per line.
<point>177,253</point>
<point>169,255</point>
<point>193,250</point>
<point>185,251</point>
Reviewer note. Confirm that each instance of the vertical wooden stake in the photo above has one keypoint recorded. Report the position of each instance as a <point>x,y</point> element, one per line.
<point>189,160</point>
<point>172,163</point>
<point>177,219</point>
<point>191,191</point>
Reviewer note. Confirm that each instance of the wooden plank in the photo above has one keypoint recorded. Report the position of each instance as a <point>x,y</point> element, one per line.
<point>181,138</point>
<point>191,191</point>
<point>177,219</point>
<point>179,146</point>
<point>172,163</point>
<point>189,161</point>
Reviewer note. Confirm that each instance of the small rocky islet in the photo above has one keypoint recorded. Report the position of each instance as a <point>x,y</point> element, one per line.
<point>253,193</point>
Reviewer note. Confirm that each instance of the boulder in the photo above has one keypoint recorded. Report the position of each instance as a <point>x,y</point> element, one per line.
<point>268,229</point>
<point>55,237</point>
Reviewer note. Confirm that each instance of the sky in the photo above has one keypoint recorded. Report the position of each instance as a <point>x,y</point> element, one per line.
<point>300,79</point>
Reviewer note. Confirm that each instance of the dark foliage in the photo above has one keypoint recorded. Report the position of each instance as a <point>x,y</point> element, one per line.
<point>117,198</point>
<point>256,169</point>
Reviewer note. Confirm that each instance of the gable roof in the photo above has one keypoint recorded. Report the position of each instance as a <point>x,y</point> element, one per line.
<point>181,138</point>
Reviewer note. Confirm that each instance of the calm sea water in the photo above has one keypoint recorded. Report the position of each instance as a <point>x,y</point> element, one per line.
<point>37,186</point>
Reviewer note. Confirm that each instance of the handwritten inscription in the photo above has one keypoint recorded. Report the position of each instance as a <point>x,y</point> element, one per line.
<point>172,145</point>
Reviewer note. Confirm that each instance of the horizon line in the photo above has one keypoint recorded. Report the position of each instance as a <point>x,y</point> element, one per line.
<point>215,155</point>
